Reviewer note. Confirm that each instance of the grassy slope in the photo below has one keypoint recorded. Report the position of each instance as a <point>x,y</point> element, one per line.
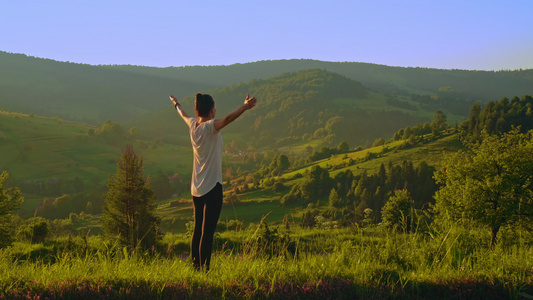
<point>257,204</point>
<point>432,153</point>
<point>35,147</point>
<point>41,148</point>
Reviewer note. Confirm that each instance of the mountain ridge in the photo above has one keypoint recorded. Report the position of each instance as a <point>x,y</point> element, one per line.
<point>92,94</point>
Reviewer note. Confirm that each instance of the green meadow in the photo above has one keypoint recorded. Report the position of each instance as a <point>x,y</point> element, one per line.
<point>42,147</point>
<point>310,177</point>
<point>277,263</point>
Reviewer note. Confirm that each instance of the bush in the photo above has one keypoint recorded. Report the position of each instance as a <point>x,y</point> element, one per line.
<point>379,142</point>
<point>73,217</point>
<point>230,225</point>
<point>234,225</point>
<point>271,243</point>
<point>398,210</point>
<point>35,230</point>
<point>309,218</point>
<point>278,187</point>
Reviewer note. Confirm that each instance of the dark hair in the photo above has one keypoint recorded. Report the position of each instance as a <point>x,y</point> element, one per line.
<point>203,104</point>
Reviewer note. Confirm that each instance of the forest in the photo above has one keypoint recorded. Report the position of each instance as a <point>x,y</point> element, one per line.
<point>333,187</point>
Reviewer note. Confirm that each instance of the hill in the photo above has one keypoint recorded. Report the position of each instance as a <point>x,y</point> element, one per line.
<point>312,107</point>
<point>464,84</point>
<point>49,157</point>
<point>85,93</point>
<point>93,94</point>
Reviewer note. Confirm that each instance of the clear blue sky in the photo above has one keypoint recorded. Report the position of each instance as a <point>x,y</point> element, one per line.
<point>449,34</point>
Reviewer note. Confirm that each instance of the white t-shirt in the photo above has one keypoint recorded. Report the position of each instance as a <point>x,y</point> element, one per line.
<point>207,148</point>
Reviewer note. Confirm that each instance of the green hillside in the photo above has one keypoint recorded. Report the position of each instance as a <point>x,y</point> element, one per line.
<point>41,147</point>
<point>433,153</point>
<point>310,107</point>
<point>48,157</point>
<point>93,94</point>
<point>86,93</point>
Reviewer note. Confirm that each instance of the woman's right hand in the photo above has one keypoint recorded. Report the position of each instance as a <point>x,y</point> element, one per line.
<point>173,99</point>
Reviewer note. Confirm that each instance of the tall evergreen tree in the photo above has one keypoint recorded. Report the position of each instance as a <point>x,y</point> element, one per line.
<point>130,204</point>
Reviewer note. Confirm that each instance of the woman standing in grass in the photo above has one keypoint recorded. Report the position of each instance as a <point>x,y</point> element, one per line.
<point>206,185</point>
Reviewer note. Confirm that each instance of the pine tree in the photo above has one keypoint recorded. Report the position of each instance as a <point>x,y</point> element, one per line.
<point>130,204</point>
<point>334,199</point>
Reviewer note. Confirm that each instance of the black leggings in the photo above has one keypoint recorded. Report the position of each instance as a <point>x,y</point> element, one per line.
<point>206,213</point>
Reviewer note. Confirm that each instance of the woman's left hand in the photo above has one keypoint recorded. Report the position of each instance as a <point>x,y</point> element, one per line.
<point>249,102</point>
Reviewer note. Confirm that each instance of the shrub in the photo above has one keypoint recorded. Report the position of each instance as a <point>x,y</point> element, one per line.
<point>35,230</point>
<point>398,210</point>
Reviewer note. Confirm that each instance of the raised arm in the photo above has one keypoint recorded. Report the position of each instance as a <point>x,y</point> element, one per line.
<point>181,112</point>
<point>232,116</point>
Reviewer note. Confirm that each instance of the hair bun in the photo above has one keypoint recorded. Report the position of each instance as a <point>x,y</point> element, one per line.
<point>199,96</point>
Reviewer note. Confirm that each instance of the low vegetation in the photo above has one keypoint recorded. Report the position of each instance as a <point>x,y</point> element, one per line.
<point>280,262</point>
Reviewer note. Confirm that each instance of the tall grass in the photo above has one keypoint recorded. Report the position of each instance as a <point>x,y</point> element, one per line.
<point>337,263</point>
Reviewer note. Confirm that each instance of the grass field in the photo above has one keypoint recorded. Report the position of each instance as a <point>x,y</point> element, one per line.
<point>312,264</point>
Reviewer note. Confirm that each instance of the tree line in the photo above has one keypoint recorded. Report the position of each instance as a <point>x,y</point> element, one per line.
<point>357,193</point>
<point>498,117</point>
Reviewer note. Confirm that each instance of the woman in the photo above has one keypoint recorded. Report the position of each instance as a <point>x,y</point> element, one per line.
<point>206,185</point>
